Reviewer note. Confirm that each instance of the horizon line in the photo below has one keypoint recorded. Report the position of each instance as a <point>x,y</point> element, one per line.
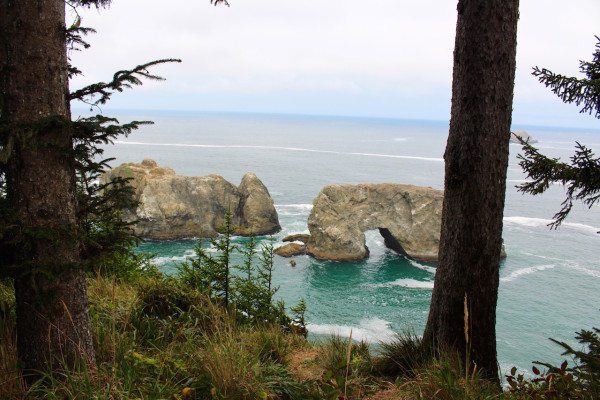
<point>514,125</point>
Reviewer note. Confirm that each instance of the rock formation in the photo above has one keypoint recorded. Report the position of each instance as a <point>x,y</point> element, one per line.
<point>290,250</point>
<point>408,217</point>
<point>293,249</point>
<point>174,207</point>
<point>297,237</point>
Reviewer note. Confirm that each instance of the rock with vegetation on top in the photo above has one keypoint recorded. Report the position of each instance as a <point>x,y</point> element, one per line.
<point>174,207</point>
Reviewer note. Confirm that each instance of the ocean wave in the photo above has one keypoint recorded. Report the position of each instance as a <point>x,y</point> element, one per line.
<point>526,271</point>
<point>293,209</point>
<point>259,147</point>
<point>368,329</point>
<point>404,282</point>
<point>587,271</point>
<point>541,222</point>
<point>421,266</point>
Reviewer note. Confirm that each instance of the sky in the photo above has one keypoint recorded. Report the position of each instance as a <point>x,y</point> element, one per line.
<point>375,58</point>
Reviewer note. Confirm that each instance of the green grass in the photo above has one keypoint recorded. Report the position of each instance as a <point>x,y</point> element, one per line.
<point>157,338</point>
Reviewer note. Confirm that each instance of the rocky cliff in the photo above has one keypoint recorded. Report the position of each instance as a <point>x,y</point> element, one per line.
<point>174,207</point>
<point>408,217</point>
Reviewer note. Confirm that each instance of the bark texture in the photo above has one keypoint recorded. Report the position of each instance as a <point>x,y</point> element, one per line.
<point>476,157</point>
<point>52,309</point>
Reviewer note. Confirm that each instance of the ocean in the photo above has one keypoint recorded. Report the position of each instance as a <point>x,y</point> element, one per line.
<point>550,280</point>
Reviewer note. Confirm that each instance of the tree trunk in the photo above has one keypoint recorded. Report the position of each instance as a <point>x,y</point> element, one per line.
<point>476,159</point>
<point>53,326</point>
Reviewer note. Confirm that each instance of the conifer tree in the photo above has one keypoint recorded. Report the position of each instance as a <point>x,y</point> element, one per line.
<point>582,175</point>
<point>462,316</point>
<point>55,220</point>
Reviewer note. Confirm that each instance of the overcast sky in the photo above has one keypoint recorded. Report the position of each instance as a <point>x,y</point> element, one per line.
<point>387,58</point>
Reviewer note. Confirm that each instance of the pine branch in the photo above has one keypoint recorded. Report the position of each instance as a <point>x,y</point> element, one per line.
<point>124,79</point>
<point>581,91</point>
<point>581,177</point>
<point>89,3</point>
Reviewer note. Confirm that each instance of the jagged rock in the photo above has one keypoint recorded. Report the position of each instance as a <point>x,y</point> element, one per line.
<point>408,217</point>
<point>514,137</point>
<point>174,207</point>
<point>297,237</point>
<point>290,250</point>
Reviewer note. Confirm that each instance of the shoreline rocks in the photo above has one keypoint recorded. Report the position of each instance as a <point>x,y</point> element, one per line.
<point>291,250</point>
<point>172,206</point>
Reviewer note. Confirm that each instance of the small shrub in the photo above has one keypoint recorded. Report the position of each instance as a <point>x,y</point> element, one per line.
<point>581,381</point>
<point>347,369</point>
<point>445,378</point>
<point>126,265</point>
<point>403,356</point>
<point>232,370</point>
<point>273,345</point>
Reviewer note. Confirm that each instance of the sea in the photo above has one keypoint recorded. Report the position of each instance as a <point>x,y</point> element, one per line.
<point>549,281</point>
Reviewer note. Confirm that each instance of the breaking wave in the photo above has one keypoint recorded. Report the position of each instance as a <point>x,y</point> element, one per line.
<point>526,271</point>
<point>235,146</point>
<point>368,329</point>
<point>405,282</point>
<point>541,222</point>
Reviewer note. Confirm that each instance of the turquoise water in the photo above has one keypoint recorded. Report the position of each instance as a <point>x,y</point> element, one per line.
<point>550,281</point>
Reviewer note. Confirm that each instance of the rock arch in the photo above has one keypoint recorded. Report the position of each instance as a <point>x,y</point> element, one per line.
<point>408,217</point>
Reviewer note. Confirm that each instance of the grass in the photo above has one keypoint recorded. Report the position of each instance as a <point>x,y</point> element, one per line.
<point>155,338</point>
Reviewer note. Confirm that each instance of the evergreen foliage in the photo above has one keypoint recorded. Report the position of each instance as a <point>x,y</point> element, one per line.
<point>581,175</point>
<point>246,288</point>
<point>581,381</point>
<point>101,229</point>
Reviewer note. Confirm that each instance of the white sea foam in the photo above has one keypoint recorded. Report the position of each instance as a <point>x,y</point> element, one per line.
<point>587,271</point>
<point>293,209</point>
<point>259,147</point>
<point>526,271</point>
<point>368,329</point>
<point>404,282</point>
<point>421,266</point>
<point>541,222</point>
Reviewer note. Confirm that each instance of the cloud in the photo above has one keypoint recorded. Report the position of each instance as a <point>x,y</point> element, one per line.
<point>367,53</point>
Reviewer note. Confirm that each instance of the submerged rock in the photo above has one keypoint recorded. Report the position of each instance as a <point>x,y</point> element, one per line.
<point>175,207</point>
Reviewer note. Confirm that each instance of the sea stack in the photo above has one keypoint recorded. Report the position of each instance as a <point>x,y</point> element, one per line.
<point>407,216</point>
<point>172,206</point>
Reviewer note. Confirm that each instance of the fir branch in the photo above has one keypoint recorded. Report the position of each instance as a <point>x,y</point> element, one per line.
<point>123,79</point>
<point>75,36</point>
<point>581,177</point>
<point>217,2</point>
<point>581,91</point>
<point>89,3</point>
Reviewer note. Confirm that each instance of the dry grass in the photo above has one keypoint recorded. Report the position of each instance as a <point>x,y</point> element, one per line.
<point>303,364</point>
<point>12,385</point>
